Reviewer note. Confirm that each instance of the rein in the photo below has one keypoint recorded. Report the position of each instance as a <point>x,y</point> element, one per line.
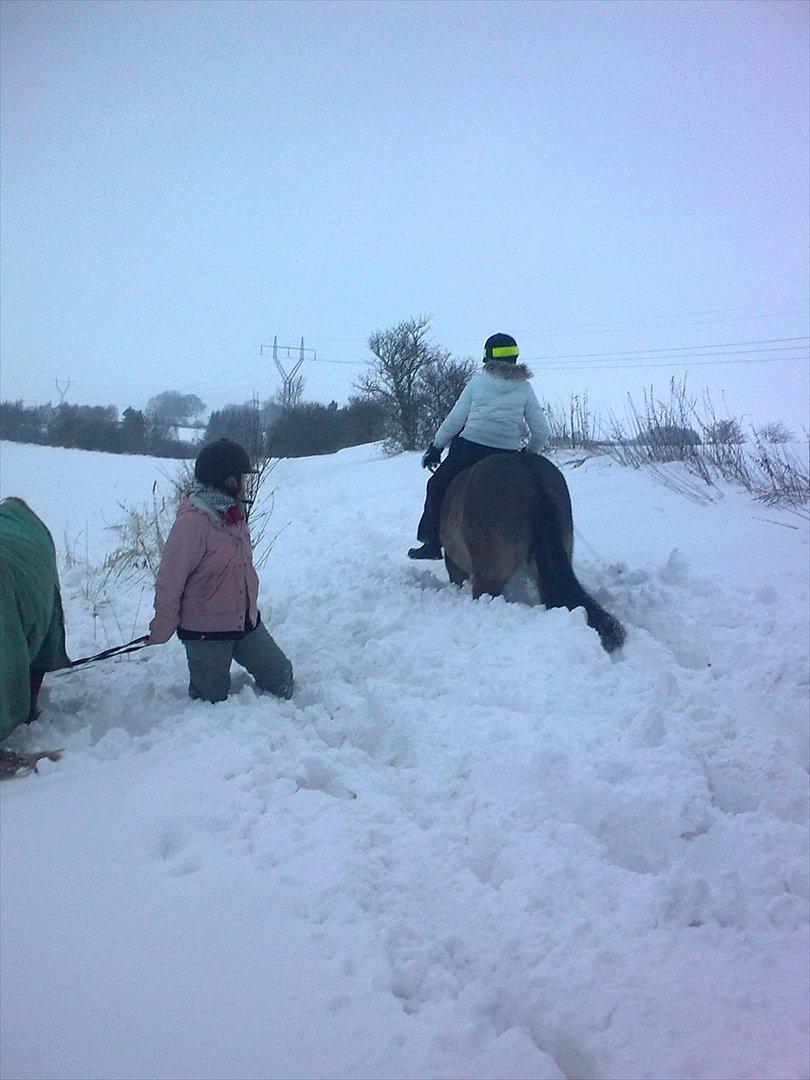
<point>595,554</point>
<point>117,650</point>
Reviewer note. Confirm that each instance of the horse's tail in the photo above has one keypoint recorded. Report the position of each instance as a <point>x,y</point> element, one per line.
<point>557,581</point>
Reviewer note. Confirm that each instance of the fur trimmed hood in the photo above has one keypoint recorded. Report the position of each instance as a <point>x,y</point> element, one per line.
<point>506,369</point>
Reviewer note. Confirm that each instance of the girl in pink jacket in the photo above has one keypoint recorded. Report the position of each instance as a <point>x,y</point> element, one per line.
<point>207,589</point>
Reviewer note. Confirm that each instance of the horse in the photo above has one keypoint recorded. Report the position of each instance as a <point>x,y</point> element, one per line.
<point>513,511</point>
<point>32,628</point>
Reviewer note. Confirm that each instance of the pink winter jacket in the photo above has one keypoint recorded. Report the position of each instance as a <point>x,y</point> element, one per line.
<point>206,580</point>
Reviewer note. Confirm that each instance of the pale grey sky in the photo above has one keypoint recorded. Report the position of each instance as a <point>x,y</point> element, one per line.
<point>181,181</point>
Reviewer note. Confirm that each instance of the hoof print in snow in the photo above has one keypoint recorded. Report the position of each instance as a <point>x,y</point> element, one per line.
<point>173,850</point>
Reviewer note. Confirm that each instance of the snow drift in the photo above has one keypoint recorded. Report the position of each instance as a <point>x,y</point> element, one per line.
<point>471,845</point>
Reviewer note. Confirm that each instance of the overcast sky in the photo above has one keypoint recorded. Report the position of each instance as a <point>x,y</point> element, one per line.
<point>183,181</point>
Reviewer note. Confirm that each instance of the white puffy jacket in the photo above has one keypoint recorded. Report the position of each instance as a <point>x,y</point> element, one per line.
<point>495,408</point>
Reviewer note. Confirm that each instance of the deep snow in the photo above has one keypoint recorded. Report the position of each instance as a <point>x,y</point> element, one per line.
<point>472,845</point>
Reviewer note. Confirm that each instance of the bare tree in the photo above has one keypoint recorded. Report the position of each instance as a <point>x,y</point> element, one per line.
<point>259,446</point>
<point>401,354</point>
<point>172,407</point>
<point>439,385</point>
<point>292,392</point>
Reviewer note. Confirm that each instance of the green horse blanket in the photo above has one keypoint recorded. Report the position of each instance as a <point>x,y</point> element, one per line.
<point>32,627</point>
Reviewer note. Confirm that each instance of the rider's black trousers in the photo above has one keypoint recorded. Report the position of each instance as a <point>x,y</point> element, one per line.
<point>461,454</point>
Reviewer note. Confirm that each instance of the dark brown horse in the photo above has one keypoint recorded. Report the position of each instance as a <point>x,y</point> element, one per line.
<point>509,512</point>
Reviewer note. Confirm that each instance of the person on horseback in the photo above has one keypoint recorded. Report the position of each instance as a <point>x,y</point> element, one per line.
<point>490,417</point>
<point>206,590</point>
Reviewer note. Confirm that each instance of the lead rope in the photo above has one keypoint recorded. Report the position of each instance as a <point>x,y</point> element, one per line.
<point>117,650</point>
<point>594,554</point>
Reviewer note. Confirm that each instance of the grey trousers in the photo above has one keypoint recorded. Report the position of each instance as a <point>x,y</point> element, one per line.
<point>209,665</point>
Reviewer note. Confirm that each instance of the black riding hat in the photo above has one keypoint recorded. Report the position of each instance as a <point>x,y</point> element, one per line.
<point>501,347</point>
<point>219,460</point>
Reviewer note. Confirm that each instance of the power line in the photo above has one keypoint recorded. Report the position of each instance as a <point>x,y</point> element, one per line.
<point>688,358</point>
<point>675,348</point>
<point>323,360</point>
<point>686,362</point>
<point>561,362</point>
<point>683,362</point>
<point>793,354</point>
<point>770,310</point>
<point>244,367</point>
<point>652,352</point>
<point>767,311</point>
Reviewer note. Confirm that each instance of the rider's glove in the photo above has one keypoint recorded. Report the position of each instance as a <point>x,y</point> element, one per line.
<point>432,458</point>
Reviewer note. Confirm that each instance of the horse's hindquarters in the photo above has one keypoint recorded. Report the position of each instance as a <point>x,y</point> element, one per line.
<point>451,530</point>
<point>487,521</point>
<point>511,511</point>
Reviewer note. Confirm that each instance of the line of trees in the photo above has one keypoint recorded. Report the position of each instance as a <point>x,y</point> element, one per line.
<point>90,427</point>
<point>299,430</point>
<point>408,388</point>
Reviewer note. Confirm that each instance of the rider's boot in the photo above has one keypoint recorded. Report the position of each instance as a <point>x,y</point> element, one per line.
<point>426,551</point>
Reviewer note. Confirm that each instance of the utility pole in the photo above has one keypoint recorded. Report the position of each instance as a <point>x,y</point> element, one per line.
<point>291,383</point>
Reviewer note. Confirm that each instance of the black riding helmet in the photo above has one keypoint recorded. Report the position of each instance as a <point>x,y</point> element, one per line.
<point>220,460</point>
<point>501,347</point>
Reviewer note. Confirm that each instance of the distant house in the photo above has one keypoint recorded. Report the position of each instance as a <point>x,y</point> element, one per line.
<point>182,433</point>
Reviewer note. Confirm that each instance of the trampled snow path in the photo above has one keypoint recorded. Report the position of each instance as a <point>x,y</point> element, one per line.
<point>471,845</point>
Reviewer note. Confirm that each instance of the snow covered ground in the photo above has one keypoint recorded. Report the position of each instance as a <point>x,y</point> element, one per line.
<point>471,845</point>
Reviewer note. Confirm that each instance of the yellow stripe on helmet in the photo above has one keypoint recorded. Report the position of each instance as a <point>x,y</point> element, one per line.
<point>506,350</point>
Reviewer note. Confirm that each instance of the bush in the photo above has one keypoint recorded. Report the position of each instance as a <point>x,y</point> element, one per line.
<point>659,431</point>
<point>669,435</point>
<point>776,432</point>
<point>664,431</point>
<point>572,426</point>
<point>726,432</point>
<point>780,478</point>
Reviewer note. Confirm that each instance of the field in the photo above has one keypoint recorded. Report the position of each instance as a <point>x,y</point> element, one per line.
<point>471,845</point>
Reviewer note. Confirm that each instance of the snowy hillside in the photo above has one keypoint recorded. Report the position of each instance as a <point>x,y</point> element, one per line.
<point>472,844</point>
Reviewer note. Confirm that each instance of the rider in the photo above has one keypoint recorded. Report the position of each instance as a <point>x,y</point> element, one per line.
<point>494,410</point>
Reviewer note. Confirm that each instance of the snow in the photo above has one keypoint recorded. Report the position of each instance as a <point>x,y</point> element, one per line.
<point>188,434</point>
<point>472,844</point>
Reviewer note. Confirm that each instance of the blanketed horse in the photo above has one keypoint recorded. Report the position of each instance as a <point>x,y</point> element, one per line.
<point>32,628</point>
<point>513,511</point>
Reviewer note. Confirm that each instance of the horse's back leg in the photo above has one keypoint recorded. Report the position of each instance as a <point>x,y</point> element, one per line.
<point>568,539</point>
<point>454,571</point>
<point>488,578</point>
<point>486,587</point>
<point>493,561</point>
